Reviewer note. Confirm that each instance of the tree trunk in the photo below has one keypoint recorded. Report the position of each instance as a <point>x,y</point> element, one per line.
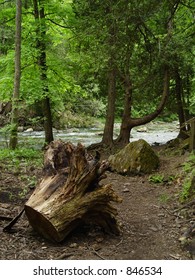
<point>70,194</point>
<point>127,122</point>
<point>110,115</point>
<point>180,107</point>
<point>47,120</point>
<point>107,138</point>
<point>41,46</point>
<point>14,118</point>
<point>186,100</point>
<point>125,128</point>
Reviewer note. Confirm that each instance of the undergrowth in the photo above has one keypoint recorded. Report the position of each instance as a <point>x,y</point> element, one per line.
<point>20,153</point>
<point>22,164</point>
<point>188,187</point>
<point>19,159</point>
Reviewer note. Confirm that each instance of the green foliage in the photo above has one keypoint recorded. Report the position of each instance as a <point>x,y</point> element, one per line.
<point>185,193</point>
<point>61,70</point>
<point>5,132</point>
<point>189,164</point>
<point>81,38</point>
<point>17,154</point>
<point>156,178</point>
<point>68,119</point>
<point>187,167</point>
<point>20,160</point>
<point>31,182</point>
<point>161,178</point>
<point>188,187</point>
<point>140,31</point>
<point>91,107</point>
<point>6,129</point>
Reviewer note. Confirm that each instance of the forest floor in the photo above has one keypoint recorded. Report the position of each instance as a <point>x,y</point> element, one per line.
<point>151,219</point>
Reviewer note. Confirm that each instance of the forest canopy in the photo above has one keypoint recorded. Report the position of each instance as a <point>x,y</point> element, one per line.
<point>130,60</point>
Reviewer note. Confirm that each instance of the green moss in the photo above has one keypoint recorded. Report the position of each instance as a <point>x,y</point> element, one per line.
<point>136,157</point>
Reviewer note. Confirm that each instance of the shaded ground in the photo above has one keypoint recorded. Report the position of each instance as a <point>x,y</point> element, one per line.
<point>150,223</point>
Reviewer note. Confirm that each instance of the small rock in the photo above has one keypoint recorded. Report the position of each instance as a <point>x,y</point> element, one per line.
<point>178,226</point>
<point>175,257</point>
<point>99,239</point>
<point>96,247</point>
<point>20,128</point>
<point>142,129</point>
<point>82,248</point>
<point>73,245</point>
<point>161,215</point>
<point>183,239</point>
<point>125,190</point>
<point>154,229</point>
<point>29,129</point>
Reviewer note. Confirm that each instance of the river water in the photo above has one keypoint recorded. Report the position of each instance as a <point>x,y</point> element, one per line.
<point>153,133</point>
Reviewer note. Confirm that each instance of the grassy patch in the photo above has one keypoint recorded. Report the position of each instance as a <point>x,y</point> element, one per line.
<point>20,153</point>
<point>18,159</point>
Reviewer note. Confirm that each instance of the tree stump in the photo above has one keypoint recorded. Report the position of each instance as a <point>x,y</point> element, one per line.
<point>69,193</point>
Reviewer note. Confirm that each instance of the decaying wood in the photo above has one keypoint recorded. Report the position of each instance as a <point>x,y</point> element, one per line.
<point>8,228</point>
<point>69,193</point>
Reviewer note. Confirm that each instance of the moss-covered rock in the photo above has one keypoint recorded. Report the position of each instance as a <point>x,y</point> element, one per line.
<point>137,157</point>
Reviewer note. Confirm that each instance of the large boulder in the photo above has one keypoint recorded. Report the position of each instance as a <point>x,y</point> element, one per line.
<point>137,157</point>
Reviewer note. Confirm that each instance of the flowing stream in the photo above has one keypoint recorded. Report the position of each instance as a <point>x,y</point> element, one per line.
<point>153,133</point>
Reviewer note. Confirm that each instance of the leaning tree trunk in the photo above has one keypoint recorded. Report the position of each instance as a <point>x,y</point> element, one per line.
<point>69,193</point>
<point>128,122</point>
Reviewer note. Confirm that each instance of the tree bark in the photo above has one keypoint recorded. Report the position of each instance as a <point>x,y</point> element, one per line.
<point>125,128</point>
<point>70,194</point>
<point>39,15</point>
<point>17,75</point>
<point>127,121</point>
<point>180,107</point>
<point>107,138</point>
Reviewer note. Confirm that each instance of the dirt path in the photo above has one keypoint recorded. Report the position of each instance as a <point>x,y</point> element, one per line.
<point>150,228</point>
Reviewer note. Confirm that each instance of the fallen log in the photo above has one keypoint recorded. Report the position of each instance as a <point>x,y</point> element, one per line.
<point>70,193</point>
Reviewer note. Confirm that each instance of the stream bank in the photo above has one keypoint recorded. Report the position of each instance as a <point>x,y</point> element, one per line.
<point>155,133</point>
